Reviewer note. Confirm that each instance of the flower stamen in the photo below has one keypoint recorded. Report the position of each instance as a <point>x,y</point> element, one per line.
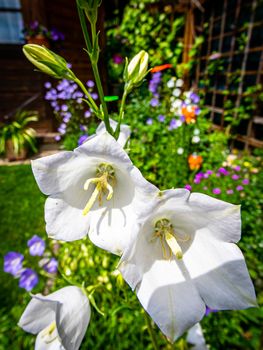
<point>165,231</point>
<point>105,174</point>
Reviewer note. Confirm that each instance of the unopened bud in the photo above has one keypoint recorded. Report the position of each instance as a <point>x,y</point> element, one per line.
<point>48,62</point>
<point>137,69</point>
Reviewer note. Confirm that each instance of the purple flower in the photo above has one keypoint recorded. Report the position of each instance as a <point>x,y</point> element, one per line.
<point>237,168</point>
<point>28,279</point>
<point>57,138</point>
<point>245,182</point>
<point>54,104</point>
<point>235,177</point>
<point>117,59</point>
<point>197,180</point>
<point>94,95</point>
<point>69,65</point>
<point>149,121</point>
<point>209,311</point>
<point>209,172</point>
<point>82,139</point>
<point>87,114</point>
<point>64,108</point>
<point>239,188</point>
<point>90,83</point>
<point>161,118</point>
<point>154,102</point>
<point>188,187</point>
<point>216,190</point>
<point>223,171</point>
<point>47,85</point>
<point>36,246</point>
<point>82,127</point>
<point>194,97</point>
<point>230,191</point>
<point>173,124</point>
<point>13,262</point>
<point>51,266</point>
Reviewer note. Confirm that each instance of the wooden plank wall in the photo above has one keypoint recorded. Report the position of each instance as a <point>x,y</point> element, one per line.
<point>228,22</point>
<point>19,81</point>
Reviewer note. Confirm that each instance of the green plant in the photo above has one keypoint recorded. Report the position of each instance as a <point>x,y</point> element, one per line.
<point>18,131</point>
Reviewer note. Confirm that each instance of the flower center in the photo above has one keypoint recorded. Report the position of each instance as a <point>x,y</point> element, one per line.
<point>165,231</point>
<point>104,183</point>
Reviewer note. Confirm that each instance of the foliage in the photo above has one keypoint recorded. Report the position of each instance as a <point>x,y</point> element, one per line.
<point>18,131</point>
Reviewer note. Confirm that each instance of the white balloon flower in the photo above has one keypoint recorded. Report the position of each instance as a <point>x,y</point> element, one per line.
<point>59,319</point>
<point>183,258</point>
<point>92,190</point>
<point>196,337</point>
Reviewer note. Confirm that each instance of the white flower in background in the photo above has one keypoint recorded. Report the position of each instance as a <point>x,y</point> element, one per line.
<point>180,150</point>
<point>179,83</point>
<point>196,337</point>
<point>187,101</point>
<point>196,132</point>
<point>183,258</point>
<point>176,92</point>
<point>125,131</point>
<point>187,94</point>
<point>171,83</point>
<point>195,139</point>
<point>92,190</point>
<point>60,319</point>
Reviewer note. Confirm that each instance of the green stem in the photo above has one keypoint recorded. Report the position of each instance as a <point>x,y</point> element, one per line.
<point>95,69</point>
<point>92,102</point>
<point>123,100</point>
<point>84,28</point>
<point>94,64</point>
<point>150,330</point>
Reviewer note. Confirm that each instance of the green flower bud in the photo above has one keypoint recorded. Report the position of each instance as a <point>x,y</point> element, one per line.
<point>137,69</point>
<point>48,62</point>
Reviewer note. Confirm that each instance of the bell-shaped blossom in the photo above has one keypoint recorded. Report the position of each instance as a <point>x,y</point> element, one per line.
<point>36,246</point>
<point>51,265</point>
<point>183,258</point>
<point>125,131</point>
<point>196,338</point>
<point>13,262</point>
<point>93,190</point>
<point>60,319</point>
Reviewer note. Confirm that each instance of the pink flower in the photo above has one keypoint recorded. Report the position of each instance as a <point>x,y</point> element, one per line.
<point>216,190</point>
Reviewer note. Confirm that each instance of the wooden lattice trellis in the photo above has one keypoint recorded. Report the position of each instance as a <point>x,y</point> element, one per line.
<point>227,23</point>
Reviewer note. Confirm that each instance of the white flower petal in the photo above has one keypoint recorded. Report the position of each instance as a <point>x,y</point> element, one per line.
<point>68,307</point>
<point>125,131</point>
<point>163,287</point>
<point>41,344</point>
<point>219,272</point>
<point>39,314</point>
<point>195,337</point>
<point>64,221</point>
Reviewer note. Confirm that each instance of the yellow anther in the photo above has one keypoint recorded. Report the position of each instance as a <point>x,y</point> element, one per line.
<point>110,189</point>
<point>168,238</point>
<point>105,174</point>
<point>49,330</point>
<point>173,245</point>
<point>91,201</point>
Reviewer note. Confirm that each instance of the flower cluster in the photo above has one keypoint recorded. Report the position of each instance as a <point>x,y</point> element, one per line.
<point>66,101</point>
<point>226,180</point>
<point>28,278</point>
<point>36,29</point>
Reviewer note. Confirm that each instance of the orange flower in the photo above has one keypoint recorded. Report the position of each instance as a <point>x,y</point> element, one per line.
<point>189,114</point>
<point>195,161</point>
<point>162,67</point>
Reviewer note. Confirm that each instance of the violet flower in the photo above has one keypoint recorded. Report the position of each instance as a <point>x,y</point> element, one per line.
<point>51,266</point>
<point>239,188</point>
<point>216,190</point>
<point>28,279</point>
<point>161,118</point>
<point>13,262</point>
<point>149,121</point>
<point>82,139</point>
<point>36,246</point>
